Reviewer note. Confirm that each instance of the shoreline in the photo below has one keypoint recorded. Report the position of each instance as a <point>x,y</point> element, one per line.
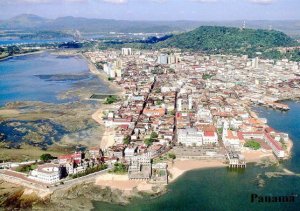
<point>176,169</point>
<point>182,166</point>
<point>294,98</point>
<point>107,139</point>
<point>22,54</point>
<point>94,70</point>
<point>289,143</point>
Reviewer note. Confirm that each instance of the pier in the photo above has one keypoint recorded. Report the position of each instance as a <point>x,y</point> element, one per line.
<point>236,160</point>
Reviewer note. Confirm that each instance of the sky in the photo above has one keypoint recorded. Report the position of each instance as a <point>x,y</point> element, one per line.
<point>200,10</point>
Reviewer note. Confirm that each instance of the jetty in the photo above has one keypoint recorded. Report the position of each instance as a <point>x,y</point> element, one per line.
<point>236,160</point>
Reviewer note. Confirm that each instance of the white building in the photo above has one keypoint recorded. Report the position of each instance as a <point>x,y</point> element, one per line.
<point>190,137</point>
<point>47,173</point>
<point>277,149</point>
<point>210,137</point>
<point>129,152</point>
<point>230,138</point>
<point>255,62</point>
<point>162,59</point>
<point>126,51</point>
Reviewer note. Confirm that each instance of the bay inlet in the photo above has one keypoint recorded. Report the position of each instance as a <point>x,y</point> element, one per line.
<point>39,77</point>
<point>47,90</point>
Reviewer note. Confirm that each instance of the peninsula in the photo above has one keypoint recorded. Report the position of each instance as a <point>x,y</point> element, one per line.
<point>174,110</point>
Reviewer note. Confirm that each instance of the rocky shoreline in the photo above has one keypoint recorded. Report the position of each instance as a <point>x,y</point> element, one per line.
<point>77,197</point>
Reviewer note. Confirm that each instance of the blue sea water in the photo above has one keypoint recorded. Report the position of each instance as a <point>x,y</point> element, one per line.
<point>223,189</point>
<point>18,80</point>
<point>6,42</point>
<point>288,122</point>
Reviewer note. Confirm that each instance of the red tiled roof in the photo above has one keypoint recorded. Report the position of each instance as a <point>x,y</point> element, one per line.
<point>275,143</point>
<point>240,135</point>
<point>209,133</point>
<point>70,156</point>
<point>269,130</point>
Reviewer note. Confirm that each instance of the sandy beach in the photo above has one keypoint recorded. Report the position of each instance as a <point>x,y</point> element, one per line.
<point>176,169</point>
<point>109,133</point>
<point>179,167</point>
<point>255,156</point>
<point>122,182</point>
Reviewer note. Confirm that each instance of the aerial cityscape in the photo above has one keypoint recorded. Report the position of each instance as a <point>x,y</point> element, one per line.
<point>130,107</point>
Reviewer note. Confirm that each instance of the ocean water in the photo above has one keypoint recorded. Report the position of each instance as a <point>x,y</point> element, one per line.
<point>18,80</point>
<point>6,42</point>
<point>225,189</point>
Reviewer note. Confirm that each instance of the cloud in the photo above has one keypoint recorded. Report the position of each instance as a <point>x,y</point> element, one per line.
<point>39,1</point>
<point>262,1</point>
<point>204,1</point>
<point>74,1</point>
<point>158,1</point>
<point>126,1</point>
<point>115,1</point>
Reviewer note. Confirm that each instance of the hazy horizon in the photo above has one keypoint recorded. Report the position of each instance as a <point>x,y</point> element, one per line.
<point>73,16</point>
<point>156,10</point>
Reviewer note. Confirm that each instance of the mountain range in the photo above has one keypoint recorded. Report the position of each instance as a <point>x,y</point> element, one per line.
<point>37,23</point>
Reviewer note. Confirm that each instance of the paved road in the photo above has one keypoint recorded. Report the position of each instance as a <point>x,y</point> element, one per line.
<point>22,179</point>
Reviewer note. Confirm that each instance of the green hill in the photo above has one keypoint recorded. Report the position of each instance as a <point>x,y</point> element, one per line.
<point>215,39</point>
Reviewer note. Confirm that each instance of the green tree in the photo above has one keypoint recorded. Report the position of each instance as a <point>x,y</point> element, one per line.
<point>111,99</point>
<point>126,140</point>
<point>148,141</point>
<point>283,144</point>
<point>119,168</point>
<point>172,156</point>
<point>159,102</point>
<point>229,40</point>
<point>46,157</point>
<point>26,168</point>
<point>154,135</point>
<point>172,112</point>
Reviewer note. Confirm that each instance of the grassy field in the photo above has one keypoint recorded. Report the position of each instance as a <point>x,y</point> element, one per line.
<point>27,152</point>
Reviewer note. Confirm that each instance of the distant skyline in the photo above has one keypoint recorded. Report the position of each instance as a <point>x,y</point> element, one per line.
<point>199,10</point>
